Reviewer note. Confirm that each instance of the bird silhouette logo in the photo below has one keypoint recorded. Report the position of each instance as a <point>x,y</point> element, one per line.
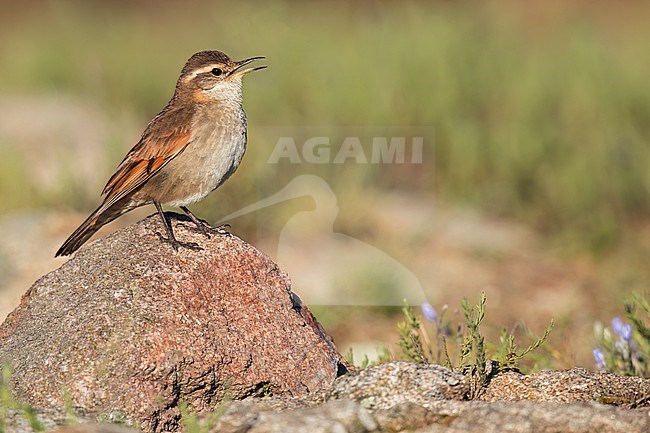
<point>334,268</point>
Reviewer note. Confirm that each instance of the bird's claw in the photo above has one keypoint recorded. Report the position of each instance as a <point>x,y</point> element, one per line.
<point>176,244</point>
<point>222,229</point>
<point>206,229</point>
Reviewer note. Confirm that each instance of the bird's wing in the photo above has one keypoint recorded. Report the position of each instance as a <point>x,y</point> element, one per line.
<point>158,145</point>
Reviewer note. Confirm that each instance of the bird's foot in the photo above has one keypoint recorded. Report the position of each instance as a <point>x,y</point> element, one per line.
<point>206,229</point>
<point>222,229</point>
<point>203,227</point>
<point>176,244</point>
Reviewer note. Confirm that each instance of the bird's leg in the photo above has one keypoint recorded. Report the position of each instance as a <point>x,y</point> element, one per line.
<point>202,226</point>
<point>171,239</point>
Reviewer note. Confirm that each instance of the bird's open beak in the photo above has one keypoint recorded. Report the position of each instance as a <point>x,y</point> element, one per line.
<point>238,71</point>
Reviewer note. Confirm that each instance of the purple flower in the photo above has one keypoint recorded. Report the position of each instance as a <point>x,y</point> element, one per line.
<point>429,312</point>
<point>626,332</point>
<point>623,330</point>
<point>621,346</point>
<point>599,356</point>
<point>617,326</point>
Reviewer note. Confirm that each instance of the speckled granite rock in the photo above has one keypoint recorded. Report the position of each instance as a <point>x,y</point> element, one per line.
<point>15,419</point>
<point>530,417</point>
<point>452,416</point>
<point>130,326</point>
<point>575,385</point>
<point>314,414</point>
<point>334,416</point>
<point>263,415</point>
<point>383,386</point>
<point>95,428</point>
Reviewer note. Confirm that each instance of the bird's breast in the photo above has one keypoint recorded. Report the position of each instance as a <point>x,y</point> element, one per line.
<point>216,148</point>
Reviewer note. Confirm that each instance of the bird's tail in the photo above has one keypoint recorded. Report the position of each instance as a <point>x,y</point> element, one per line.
<point>100,217</point>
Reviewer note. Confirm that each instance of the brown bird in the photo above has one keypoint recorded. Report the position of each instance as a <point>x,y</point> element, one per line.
<point>189,149</point>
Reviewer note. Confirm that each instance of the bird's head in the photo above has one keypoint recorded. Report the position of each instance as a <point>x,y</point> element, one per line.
<point>213,76</point>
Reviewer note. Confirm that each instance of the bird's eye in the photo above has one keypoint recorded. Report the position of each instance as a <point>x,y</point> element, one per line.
<point>216,72</point>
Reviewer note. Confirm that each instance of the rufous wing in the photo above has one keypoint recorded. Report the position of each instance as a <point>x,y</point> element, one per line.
<point>154,150</point>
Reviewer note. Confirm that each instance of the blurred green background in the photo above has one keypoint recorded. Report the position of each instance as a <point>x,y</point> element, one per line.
<point>541,112</point>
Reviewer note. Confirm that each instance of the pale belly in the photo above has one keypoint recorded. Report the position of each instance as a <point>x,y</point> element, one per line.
<point>210,158</point>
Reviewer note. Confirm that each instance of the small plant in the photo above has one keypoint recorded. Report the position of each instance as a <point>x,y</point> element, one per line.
<point>68,408</point>
<point>474,343</point>
<point>625,347</point>
<point>8,403</point>
<point>409,337</point>
<point>508,352</point>
<point>383,356</point>
<point>470,355</point>
<point>194,424</point>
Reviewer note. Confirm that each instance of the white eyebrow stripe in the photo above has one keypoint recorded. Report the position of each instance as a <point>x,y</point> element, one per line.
<point>202,70</point>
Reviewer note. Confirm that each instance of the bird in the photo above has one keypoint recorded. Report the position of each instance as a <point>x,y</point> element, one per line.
<point>186,151</point>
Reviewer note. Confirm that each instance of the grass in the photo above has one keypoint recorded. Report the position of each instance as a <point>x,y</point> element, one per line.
<point>471,354</point>
<point>192,423</point>
<point>548,123</point>
<point>8,404</point>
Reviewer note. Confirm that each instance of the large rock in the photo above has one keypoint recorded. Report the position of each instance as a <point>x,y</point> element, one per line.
<point>130,327</point>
